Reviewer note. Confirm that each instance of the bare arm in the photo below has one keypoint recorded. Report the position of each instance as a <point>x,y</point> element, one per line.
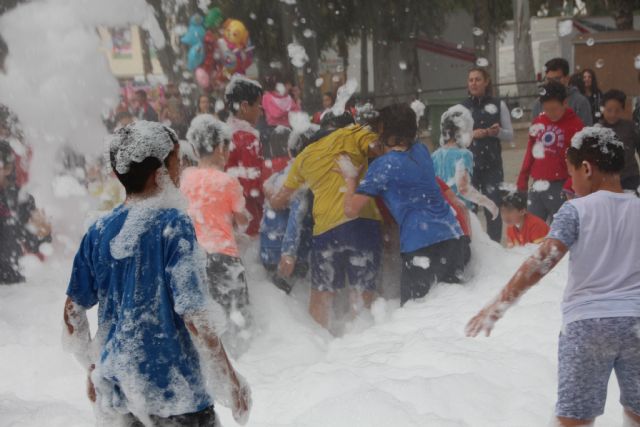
<point>531,272</point>
<point>200,328</point>
<point>76,339</point>
<point>353,203</point>
<point>280,200</point>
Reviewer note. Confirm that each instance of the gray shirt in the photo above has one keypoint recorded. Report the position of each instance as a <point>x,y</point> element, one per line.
<point>577,102</point>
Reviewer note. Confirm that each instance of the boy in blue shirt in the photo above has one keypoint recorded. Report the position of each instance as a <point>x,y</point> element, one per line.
<point>453,162</point>
<point>142,265</point>
<point>601,304</point>
<point>285,235</point>
<point>403,176</point>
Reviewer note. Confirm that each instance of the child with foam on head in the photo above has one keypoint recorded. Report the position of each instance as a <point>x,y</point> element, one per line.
<point>285,235</point>
<point>601,303</point>
<point>216,206</point>
<point>544,161</point>
<point>403,176</point>
<point>523,227</point>
<point>157,324</point>
<point>453,162</point>
<point>243,97</point>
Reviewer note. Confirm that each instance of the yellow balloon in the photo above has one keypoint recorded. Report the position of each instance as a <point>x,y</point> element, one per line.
<point>235,32</point>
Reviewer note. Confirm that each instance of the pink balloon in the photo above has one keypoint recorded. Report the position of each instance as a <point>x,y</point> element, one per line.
<point>202,77</point>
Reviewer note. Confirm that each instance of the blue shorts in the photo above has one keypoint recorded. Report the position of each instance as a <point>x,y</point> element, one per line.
<point>352,250</point>
<point>587,353</point>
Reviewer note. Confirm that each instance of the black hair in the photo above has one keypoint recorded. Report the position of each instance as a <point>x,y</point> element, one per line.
<point>331,121</point>
<point>142,93</point>
<point>594,79</point>
<point>272,78</point>
<point>577,81</point>
<point>399,121</point>
<point>614,95</point>
<point>553,91</point>
<point>330,95</point>
<point>135,179</point>
<point>242,90</point>
<point>10,121</point>
<point>607,153</point>
<point>557,64</point>
<point>7,156</point>
<point>514,200</point>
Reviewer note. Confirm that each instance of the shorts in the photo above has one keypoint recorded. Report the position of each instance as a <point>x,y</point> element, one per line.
<point>204,418</point>
<point>442,262</point>
<point>588,351</point>
<point>227,282</point>
<point>352,250</point>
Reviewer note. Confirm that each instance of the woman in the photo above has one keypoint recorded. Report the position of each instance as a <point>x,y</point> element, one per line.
<point>430,236</point>
<point>491,126</point>
<point>277,103</point>
<point>204,105</point>
<point>592,92</point>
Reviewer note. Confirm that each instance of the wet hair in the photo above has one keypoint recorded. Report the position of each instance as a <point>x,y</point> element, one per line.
<point>557,64</point>
<point>598,146</point>
<point>240,91</point>
<point>614,95</point>
<point>486,76</point>
<point>514,200</point>
<point>594,79</point>
<point>553,91</point>
<point>141,93</point>
<point>331,121</point>
<point>206,133</point>
<point>577,81</point>
<point>135,179</point>
<point>399,121</point>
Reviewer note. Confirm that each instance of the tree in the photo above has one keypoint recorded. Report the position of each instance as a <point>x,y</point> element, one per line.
<point>522,51</point>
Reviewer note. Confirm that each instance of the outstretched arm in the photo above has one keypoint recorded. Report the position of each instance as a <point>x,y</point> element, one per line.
<point>201,329</point>
<point>531,272</point>
<point>463,182</point>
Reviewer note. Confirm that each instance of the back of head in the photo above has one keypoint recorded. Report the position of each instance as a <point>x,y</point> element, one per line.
<point>331,122</point>
<point>598,146</point>
<point>577,81</point>
<point>397,121</point>
<point>553,91</point>
<point>456,125</point>
<point>137,150</point>
<point>206,133</point>
<point>514,200</point>
<point>240,89</point>
<point>557,64</point>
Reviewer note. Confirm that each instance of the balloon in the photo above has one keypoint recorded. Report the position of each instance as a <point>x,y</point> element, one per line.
<point>194,38</point>
<point>195,56</point>
<point>210,46</point>
<point>202,77</point>
<point>235,33</point>
<point>213,18</point>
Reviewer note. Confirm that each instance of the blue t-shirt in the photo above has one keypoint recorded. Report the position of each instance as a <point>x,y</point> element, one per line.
<point>407,184</point>
<point>144,280</point>
<point>445,161</point>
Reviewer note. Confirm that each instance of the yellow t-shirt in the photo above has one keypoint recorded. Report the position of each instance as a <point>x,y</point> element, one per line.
<point>314,167</point>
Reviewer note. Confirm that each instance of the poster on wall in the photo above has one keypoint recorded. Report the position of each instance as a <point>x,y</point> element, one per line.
<point>121,42</point>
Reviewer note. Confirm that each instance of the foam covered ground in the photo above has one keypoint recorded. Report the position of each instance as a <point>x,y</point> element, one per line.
<point>409,366</point>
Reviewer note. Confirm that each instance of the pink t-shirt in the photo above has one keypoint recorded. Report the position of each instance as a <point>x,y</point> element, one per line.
<point>214,197</point>
<point>277,107</point>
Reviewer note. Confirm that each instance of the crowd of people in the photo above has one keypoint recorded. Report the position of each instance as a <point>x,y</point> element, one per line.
<point>325,197</point>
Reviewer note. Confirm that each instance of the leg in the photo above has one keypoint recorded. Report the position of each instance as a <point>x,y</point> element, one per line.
<point>320,306</point>
<point>553,199</point>
<point>535,205</point>
<point>627,368</point>
<point>363,268</point>
<point>418,275</point>
<point>492,181</point>
<point>572,422</point>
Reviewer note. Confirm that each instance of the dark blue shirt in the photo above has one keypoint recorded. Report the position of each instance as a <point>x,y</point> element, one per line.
<point>407,183</point>
<point>145,275</point>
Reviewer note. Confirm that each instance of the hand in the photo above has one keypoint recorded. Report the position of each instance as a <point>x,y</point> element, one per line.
<point>40,224</point>
<point>493,130</point>
<point>286,265</point>
<point>91,390</point>
<point>241,394</point>
<point>486,319</point>
<point>480,133</point>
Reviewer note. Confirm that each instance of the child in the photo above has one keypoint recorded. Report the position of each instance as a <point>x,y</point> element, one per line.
<point>142,266</point>
<point>243,98</point>
<point>613,102</point>
<point>601,304</point>
<point>23,228</point>
<point>216,204</point>
<point>285,235</point>
<point>544,161</point>
<point>403,176</point>
<point>453,162</point>
<point>522,227</point>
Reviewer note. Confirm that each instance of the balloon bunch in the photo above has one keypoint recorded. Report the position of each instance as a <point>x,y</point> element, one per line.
<point>217,49</point>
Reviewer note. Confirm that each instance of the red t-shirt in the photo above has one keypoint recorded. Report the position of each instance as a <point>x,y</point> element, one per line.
<point>533,230</point>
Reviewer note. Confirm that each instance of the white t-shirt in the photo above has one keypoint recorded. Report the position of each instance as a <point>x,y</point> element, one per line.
<point>602,232</point>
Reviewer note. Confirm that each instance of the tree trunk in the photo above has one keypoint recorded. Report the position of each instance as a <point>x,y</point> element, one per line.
<point>485,45</point>
<point>522,51</point>
<point>556,7</point>
<point>147,68</point>
<point>166,55</point>
<point>311,94</point>
<point>623,14</point>
<point>364,63</point>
